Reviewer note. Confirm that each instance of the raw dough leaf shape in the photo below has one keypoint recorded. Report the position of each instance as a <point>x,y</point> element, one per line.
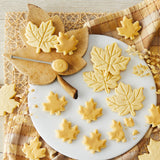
<point>117,133</point>
<point>129,122</point>
<point>153,149</point>
<point>109,59</point>
<point>126,100</point>
<point>42,38</point>
<point>33,150</point>
<point>55,105</point>
<point>101,80</point>
<point>129,29</point>
<point>7,104</point>
<point>94,143</point>
<point>68,133</point>
<point>66,44</point>
<point>154,118</point>
<point>90,112</point>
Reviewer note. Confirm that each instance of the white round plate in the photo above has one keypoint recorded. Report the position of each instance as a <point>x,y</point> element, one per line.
<point>46,124</point>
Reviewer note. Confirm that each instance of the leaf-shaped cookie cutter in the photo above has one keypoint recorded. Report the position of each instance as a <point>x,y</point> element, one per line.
<point>70,89</point>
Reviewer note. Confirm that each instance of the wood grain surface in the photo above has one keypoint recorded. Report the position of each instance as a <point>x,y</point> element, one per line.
<point>54,6</point>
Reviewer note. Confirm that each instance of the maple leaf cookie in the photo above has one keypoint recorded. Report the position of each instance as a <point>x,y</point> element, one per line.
<point>101,80</point>
<point>7,103</point>
<point>126,100</point>
<point>117,133</point>
<point>66,44</point>
<point>68,133</point>
<point>42,38</point>
<point>94,143</point>
<point>129,29</point>
<point>90,112</point>
<point>154,152</point>
<point>154,118</point>
<point>109,59</point>
<point>55,105</point>
<point>33,150</point>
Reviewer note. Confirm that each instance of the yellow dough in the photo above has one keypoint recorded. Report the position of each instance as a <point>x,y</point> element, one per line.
<point>7,103</point>
<point>33,150</point>
<point>154,118</point>
<point>66,44</point>
<point>117,133</point>
<point>109,59</point>
<point>94,143</point>
<point>41,37</point>
<point>90,112</point>
<point>107,65</point>
<point>129,122</point>
<point>154,152</point>
<point>101,80</point>
<point>129,29</point>
<point>60,65</point>
<point>141,70</point>
<point>68,133</point>
<point>135,132</point>
<point>126,100</point>
<point>55,105</point>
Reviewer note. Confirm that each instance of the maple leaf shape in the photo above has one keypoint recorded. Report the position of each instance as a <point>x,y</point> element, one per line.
<point>7,104</point>
<point>55,104</point>
<point>129,29</point>
<point>66,44</point>
<point>68,133</point>
<point>41,37</point>
<point>93,143</point>
<point>33,150</point>
<point>117,133</point>
<point>100,80</point>
<point>109,59</point>
<point>126,101</point>
<point>154,118</point>
<point>90,112</point>
<point>153,149</point>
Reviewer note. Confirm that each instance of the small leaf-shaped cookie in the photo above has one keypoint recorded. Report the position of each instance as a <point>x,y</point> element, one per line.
<point>42,37</point>
<point>7,104</point>
<point>129,29</point>
<point>154,152</point>
<point>55,104</point>
<point>66,44</point>
<point>117,133</point>
<point>33,150</point>
<point>109,59</point>
<point>126,100</point>
<point>90,112</point>
<point>101,80</point>
<point>68,133</point>
<point>94,143</point>
<point>154,118</point>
